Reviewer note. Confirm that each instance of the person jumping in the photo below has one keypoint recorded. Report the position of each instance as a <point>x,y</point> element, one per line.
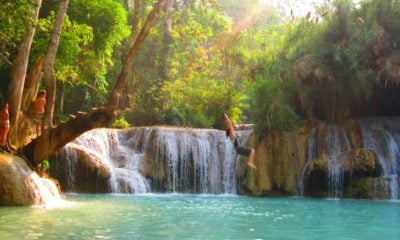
<point>249,152</point>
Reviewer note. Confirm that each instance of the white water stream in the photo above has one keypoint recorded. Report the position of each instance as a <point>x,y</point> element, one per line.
<point>144,159</point>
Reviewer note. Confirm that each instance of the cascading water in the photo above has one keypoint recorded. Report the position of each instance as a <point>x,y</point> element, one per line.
<point>46,192</point>
<point>122,163</point>
<point>188,160</point>
<point>167,159</point>
<point>22,186</point>
<point>379,136</point>
<point>311,155</point>
<point>382,136</point>
<point>337,147</point>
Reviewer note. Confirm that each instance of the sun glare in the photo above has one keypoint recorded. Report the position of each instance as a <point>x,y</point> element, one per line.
<point>299,7</point>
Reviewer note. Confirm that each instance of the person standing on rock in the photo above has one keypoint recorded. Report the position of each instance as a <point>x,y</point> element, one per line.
<point>39,106</point>
<point>4,125</point>
<point>249,152</point>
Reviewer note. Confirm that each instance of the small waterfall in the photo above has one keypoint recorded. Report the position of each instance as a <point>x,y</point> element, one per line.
<point>46,192</point>
<point>229,173</point>
<point>161,159</point>
<point>337,147</point>
<point>70,160</point>
<point>188,160</point>
<point>311,155</point>
<point>27,187</point>
<point>122,163</point>
<point>380,136</point>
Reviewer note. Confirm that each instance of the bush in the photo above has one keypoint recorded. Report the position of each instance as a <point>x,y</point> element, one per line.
<point>121,123</point>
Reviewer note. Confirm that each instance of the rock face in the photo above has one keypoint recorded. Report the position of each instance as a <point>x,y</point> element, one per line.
<point>91,174</point>
<point>279,160</point>
<point>19,185</point>
<point>357,159</point>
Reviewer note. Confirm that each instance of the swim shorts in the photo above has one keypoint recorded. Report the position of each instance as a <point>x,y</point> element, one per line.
<point>38,118</point>
<point>241,150</point>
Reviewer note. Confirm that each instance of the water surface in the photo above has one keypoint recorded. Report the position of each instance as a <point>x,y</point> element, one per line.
<point>203,217</point>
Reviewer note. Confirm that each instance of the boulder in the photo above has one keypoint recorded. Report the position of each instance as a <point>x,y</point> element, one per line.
<point>362,163</point>
<point>83,172</point>
<point>19,185</point>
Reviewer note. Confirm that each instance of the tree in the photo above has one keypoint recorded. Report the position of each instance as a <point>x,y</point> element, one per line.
<point>55,138</point>
<point>123,76</point>
<point>19,69</point>
<point>48,69</point>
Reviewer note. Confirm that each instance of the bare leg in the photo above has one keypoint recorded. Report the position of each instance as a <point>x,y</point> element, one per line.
<point>229,126</point>
<point>38,130</point>
<point>250,162</point>
<point>2,138</point>
<point>5,134</point>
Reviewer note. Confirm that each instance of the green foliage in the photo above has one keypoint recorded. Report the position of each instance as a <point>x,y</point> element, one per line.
<point>222,56</point>
<point>329,69</point>
<point>121,123</point>
<point>199,102</point>
<point>44,166</point>
<point>195,94</point>
<point>107,20</point>
<point>271,106</point>
<point>14,16</point>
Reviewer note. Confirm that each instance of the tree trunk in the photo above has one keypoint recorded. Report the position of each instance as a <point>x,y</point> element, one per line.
<point>136,18</point>
<point>32,84</point>
<point>46,144</point>
<point>124,100</point>
<point>52,139</point>
<point>60,101</point>
<point>167,40</point>
<point>19,69</point>
<point>48,70</point>
<point>122,78</point>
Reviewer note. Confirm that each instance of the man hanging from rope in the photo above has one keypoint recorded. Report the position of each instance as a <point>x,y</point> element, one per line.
<point>249,152</point>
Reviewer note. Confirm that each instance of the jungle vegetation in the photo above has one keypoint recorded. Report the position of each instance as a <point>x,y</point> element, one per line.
<point>200,58</point>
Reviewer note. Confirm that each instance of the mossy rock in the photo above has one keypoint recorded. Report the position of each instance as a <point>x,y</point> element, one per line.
<point>362,163</point>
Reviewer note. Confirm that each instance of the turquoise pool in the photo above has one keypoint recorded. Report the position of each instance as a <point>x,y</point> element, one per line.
<point>203,217</point>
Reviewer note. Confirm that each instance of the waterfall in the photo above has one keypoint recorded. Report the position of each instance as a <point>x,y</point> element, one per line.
<point>311,155</point>
<point>331,145</point>
<point>337,147</point>
<point>382,136</point>
<point>122,163</point>
<point>70,156</point>
<point>160,159</point>
<point>187,160</point>
<point>46,193</point>
<point>22,186</point>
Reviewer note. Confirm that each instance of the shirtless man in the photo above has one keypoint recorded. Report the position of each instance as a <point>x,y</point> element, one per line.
<point>4,125</point>
<point>249,152</point>
<point>39,106</point>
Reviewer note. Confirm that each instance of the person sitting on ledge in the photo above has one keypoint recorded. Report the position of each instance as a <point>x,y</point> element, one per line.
<point>249,152</point>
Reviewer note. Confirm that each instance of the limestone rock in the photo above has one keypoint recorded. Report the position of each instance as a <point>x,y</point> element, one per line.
<point>19,185</point>
<point>362,162</point>
<point>86,172</point>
